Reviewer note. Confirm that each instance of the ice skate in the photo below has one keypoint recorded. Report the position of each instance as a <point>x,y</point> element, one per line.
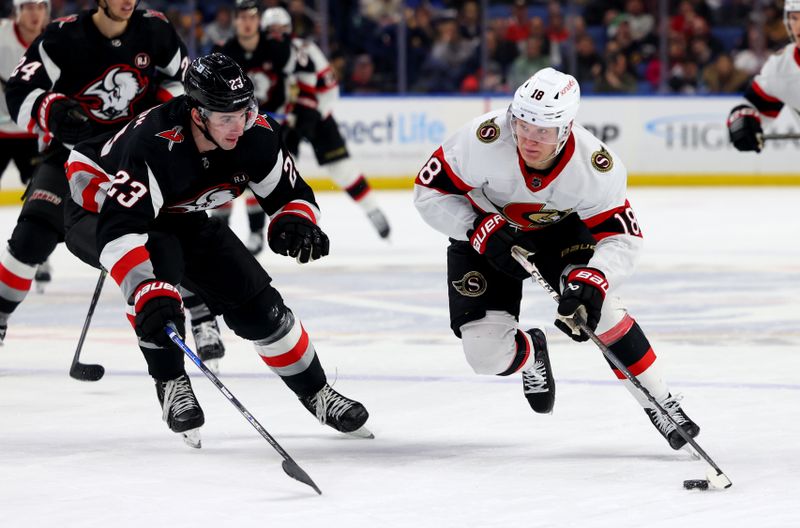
<point>3,329</point>
<point>537,381</point>
<point>43,276</point>
<point>208,341</point>
<point>180,408</point>
<point>255,243</point>
<point>666,428</point>
<point>379,222</point>
<point>343,414</point>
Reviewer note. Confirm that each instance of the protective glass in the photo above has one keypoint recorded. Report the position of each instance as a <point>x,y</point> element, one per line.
<point>528,132</point>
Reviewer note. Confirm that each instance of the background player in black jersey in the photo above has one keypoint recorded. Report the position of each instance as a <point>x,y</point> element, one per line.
<point>86,74</point>
<point>294,82</point>
<point>139,202</point>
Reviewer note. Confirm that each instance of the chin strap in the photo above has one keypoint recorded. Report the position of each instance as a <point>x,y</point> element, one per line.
<point>207,135</point>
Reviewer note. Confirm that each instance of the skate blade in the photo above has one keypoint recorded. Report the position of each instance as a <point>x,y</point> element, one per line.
<point>213,365</point>
<point>692,453</point>
<point>40,287</point>
<point>192,438</point>
<point>361,432</point>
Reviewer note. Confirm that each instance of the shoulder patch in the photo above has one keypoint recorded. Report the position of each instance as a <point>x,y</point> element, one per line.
<point>488,131</point>
<point>65,20</point>
<point>601,160</point>
<point>152,13</point>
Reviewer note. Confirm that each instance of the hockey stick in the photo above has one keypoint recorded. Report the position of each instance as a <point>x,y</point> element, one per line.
<point>720,480</point>
<point>790,135</point>
<point>84,371</point>
<point>289,466</point>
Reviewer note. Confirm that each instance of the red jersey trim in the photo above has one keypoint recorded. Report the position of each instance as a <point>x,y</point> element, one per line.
<point>640,366</point>
<point>292,356</point>
<point>766,97</point>
<point>130,260</point>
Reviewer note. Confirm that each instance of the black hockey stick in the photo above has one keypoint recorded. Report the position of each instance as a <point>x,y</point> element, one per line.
<point>790,135</point>
<point>521,256</point>
<point>289,466</point>
<point>84,371</point>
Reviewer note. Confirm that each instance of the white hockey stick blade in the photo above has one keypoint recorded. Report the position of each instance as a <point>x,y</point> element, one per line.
<point>192,438</point>
<point>717,479</point>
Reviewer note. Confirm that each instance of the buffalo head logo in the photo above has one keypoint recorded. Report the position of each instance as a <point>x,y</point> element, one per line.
<point>111,98</point>
<point>208,199</point>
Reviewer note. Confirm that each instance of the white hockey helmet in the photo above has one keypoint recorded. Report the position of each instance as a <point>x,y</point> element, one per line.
<point>18,3</point>
<point>276,16</point>
<point>790,6</point>
<point>548,99</point>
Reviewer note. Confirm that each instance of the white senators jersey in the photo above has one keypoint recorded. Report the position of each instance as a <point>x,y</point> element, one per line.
<point>11,50</point>
<point>777,84</point>
<point>478,170</point>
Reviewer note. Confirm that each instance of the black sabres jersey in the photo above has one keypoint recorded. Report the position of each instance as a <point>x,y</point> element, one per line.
<point>151,171</point>
<point>113,79</point>
<point>264,66</point>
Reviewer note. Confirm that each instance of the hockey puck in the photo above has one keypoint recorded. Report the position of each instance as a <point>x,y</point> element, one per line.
<point>695,484</point>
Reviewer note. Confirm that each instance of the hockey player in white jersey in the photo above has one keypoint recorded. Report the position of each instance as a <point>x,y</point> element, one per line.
<point>776,85</point>
<point>530,176</point>
<point>30,19</point>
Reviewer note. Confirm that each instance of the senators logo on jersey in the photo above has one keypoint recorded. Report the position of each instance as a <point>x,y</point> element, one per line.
<point>601,160</point>
<point>472,284</point>
<point>488,131</point>
<point>111,97</point>
<point>533,215</point>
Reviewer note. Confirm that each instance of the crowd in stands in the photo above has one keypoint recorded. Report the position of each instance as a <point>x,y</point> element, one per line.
<point>611,46</point>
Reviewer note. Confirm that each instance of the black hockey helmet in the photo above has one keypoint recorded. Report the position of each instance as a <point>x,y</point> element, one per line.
<point>217,83</point>
<point>246,5</point>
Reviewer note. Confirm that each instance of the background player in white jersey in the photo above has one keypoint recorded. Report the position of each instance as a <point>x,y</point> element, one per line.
<point>529,176</point>
<point>312,90</point>
<point>776,85</point>
<point>30,18</point>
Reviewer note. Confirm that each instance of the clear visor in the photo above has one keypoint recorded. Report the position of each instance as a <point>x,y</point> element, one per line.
<point>524,131</point>
<point>244,117</point>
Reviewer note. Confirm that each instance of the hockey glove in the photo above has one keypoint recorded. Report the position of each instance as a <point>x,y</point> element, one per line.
<point>68,122</point>
<point>296,236</point>
<point>744,129</point>
<point>582,296</point>
<point>156,303</point>
<point>493,238</point>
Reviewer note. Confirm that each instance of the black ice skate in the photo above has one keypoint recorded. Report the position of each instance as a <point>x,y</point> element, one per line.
<point>3,329</point>
<point>44,274</point>
<point>209,343</point>
<point>343,414</point>
<point>537,381</point>
<point>180,408</point>
<point>665,427</point>
<point>379,222</point>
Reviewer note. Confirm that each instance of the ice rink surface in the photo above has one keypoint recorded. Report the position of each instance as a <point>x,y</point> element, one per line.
<point>717,291</point>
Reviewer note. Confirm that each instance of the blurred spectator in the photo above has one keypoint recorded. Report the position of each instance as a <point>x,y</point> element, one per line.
<point>616,78</point>
<point>220,30</point>
<point>774,30</point>
<point>382,12</point>
<point>420,35</point>
<point>518,28</point>
<point>362,79</point>
<point>722,77</point>
<point>303,25</point>
<point>469,20</point>
<point>589,64</point>
<point>641,23</point>
<point>531,61</point>
<point>444,69</point>
<point>753,52</point>
<point>596,10</point>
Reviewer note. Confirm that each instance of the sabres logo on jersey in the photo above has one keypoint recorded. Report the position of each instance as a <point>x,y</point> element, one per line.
<point>472,284</point>
<point>601,160</point>
<point>111,97</point>
<point>488,131</point>
<point>173,135</point>
<point>262,122</point>
<point>208,199</point>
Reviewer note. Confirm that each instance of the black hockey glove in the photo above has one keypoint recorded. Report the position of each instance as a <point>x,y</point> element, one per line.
<point>744,129</point>
<point>68,122</point>
<point>492,238</point>
<point>306,121</point>
<point>156,303</point>
<point>296,236</point>
<point>583,294</point>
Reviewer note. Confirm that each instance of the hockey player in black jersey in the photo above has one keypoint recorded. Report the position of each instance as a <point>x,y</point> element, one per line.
<point>138,208</point>
<point>86,74</point>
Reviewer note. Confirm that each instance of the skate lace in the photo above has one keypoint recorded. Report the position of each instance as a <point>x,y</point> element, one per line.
<point>206,333</point>
<point>672,406</point>
<point>178,397</point>
<point>534,380</point>
<point>330,404</point>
